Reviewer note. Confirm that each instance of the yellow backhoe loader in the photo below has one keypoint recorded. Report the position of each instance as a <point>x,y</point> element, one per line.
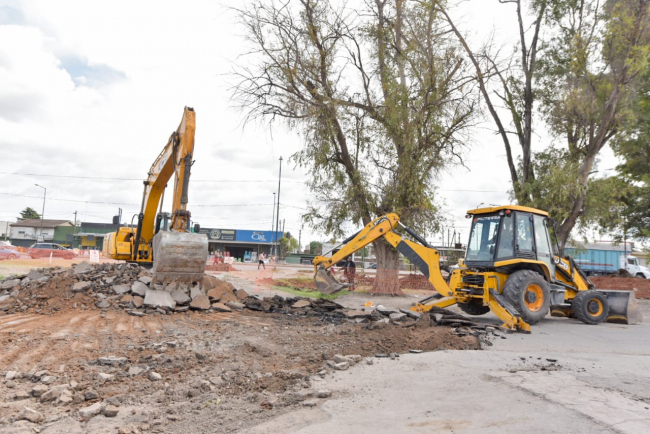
<point>509,268</point>
<point>174,253</point>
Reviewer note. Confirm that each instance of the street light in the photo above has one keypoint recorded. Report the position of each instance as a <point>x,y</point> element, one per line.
<point>273,224</point>
<point>43,213</point>
<point>277,215</point>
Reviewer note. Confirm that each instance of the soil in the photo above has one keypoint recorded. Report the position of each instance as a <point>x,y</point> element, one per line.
<point>640,286</point>
<point>213,371</point>
<point>220,372</point>
<point>220,267</point>
<point>412,281</point>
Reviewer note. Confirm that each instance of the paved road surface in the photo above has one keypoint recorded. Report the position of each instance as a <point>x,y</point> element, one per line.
<point>602,385</point>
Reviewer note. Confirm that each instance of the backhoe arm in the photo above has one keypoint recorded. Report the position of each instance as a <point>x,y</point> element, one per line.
<point>373,231</point>
<point>426,258</point>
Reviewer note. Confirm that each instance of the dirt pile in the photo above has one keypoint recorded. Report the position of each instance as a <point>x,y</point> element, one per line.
<point>220,267</point>
<point>640,286</point>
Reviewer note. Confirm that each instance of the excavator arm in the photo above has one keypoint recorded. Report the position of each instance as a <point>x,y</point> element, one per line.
<point>426,258</point>
<point>176,254</point>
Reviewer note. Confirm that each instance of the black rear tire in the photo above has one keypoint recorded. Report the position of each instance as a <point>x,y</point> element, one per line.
<point>590,307</point>
<point>529,293</point>
<point>474,307</point>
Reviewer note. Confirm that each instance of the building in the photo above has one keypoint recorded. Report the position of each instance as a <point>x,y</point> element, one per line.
<point>245,245</point>
<point>90,236</point>
<point>27,232</point>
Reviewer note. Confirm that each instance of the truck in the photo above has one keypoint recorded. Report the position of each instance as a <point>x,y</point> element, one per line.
<point>602,259</point>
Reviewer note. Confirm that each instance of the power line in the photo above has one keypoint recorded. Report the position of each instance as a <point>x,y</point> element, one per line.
<point>104,178</point>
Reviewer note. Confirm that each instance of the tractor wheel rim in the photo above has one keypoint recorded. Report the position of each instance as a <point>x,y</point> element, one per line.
<point>534,297</point>
<point>595,307</point>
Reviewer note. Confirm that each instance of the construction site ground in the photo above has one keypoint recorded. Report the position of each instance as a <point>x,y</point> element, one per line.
<point>258,372</point>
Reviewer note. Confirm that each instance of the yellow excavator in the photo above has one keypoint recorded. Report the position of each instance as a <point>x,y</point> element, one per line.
<point>509,268</point>
<point>173,252</point>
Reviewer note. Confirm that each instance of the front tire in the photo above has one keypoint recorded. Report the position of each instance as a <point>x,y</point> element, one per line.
<point>474,307</point>
<point>529,293</point>
<point>640,275</point>
<point>590,307</point>
<point>12,257</point>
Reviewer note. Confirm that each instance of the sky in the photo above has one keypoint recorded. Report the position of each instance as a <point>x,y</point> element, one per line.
<point>91,91</point>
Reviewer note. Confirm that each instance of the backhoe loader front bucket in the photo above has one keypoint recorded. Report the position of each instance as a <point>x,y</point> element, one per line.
<point>326,283</point>
<point>179,256</point>
<point>623,307</point>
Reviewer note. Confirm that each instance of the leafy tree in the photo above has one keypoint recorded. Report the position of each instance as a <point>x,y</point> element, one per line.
<point>28,213</point>
<point>381,97</point>
<point>287,245</point>
<point>315,248</point>
<point>633,145</point>
<point>592,68</point>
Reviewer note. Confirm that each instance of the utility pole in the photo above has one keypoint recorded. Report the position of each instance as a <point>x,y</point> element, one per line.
<point>299,240</point>
<point>283,222</point>
<point>42,238</point>
<point>277,214</point>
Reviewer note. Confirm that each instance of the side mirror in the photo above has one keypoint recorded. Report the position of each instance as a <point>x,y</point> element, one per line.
<point>116,219</point>
<point>197,228</point>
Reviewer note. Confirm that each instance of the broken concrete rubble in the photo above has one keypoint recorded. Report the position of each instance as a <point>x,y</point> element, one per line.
<point>200,302</point>
<point>156,298</point>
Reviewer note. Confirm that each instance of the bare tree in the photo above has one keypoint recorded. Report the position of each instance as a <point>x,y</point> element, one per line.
<point>514,89</point>
<point>380,96</point>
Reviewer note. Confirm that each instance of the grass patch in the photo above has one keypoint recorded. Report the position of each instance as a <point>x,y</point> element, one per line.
<point>310,294</point>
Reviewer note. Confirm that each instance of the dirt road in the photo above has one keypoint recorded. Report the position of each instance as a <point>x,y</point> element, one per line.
<point>219,372</point>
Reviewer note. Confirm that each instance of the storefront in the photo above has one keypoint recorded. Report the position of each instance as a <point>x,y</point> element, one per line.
<point>244,245</point>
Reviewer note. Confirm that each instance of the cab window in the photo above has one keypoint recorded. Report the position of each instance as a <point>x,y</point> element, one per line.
<point>506,240</point>
<point>482,241</point>
<point>524,232</point>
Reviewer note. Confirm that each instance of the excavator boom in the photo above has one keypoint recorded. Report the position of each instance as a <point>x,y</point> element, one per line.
<point>176,254</point>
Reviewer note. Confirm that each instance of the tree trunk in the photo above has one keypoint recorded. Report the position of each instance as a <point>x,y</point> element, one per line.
<point>387,280</point>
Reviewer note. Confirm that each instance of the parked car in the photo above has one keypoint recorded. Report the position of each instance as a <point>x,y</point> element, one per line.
<point>9,254</point>
<point>43,250</point>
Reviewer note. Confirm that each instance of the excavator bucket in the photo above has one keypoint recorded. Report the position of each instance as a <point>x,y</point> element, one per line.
<point>326,283</point>
<point>179,256</point>
<point>623,307</point>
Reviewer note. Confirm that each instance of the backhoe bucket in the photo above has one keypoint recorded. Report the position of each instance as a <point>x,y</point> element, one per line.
<point>179,256</point>
<point>326,283</point>
<point>623,307</point>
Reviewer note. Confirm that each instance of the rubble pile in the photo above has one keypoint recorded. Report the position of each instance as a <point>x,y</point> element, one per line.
<point>104,286</point>
<point>131,287</point>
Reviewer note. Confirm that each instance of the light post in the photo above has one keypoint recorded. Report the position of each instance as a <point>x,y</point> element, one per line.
<point>273,224</point>
<point>42,213</point>
<point>277,214</point>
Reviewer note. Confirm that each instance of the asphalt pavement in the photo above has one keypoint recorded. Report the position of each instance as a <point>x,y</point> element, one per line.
<point>563,377</point>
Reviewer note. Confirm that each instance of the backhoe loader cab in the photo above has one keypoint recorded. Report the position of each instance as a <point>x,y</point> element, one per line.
<point>510,238</point>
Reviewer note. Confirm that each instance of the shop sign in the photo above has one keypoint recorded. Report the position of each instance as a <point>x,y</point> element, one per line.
<point>257,237</point>
<point>220,234</point>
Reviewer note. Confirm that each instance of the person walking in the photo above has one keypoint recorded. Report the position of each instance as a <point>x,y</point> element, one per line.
<point>261,261</point>
<point>350,270</point>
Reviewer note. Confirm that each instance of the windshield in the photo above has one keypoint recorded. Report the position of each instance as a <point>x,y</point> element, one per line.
<point>483,238</point>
